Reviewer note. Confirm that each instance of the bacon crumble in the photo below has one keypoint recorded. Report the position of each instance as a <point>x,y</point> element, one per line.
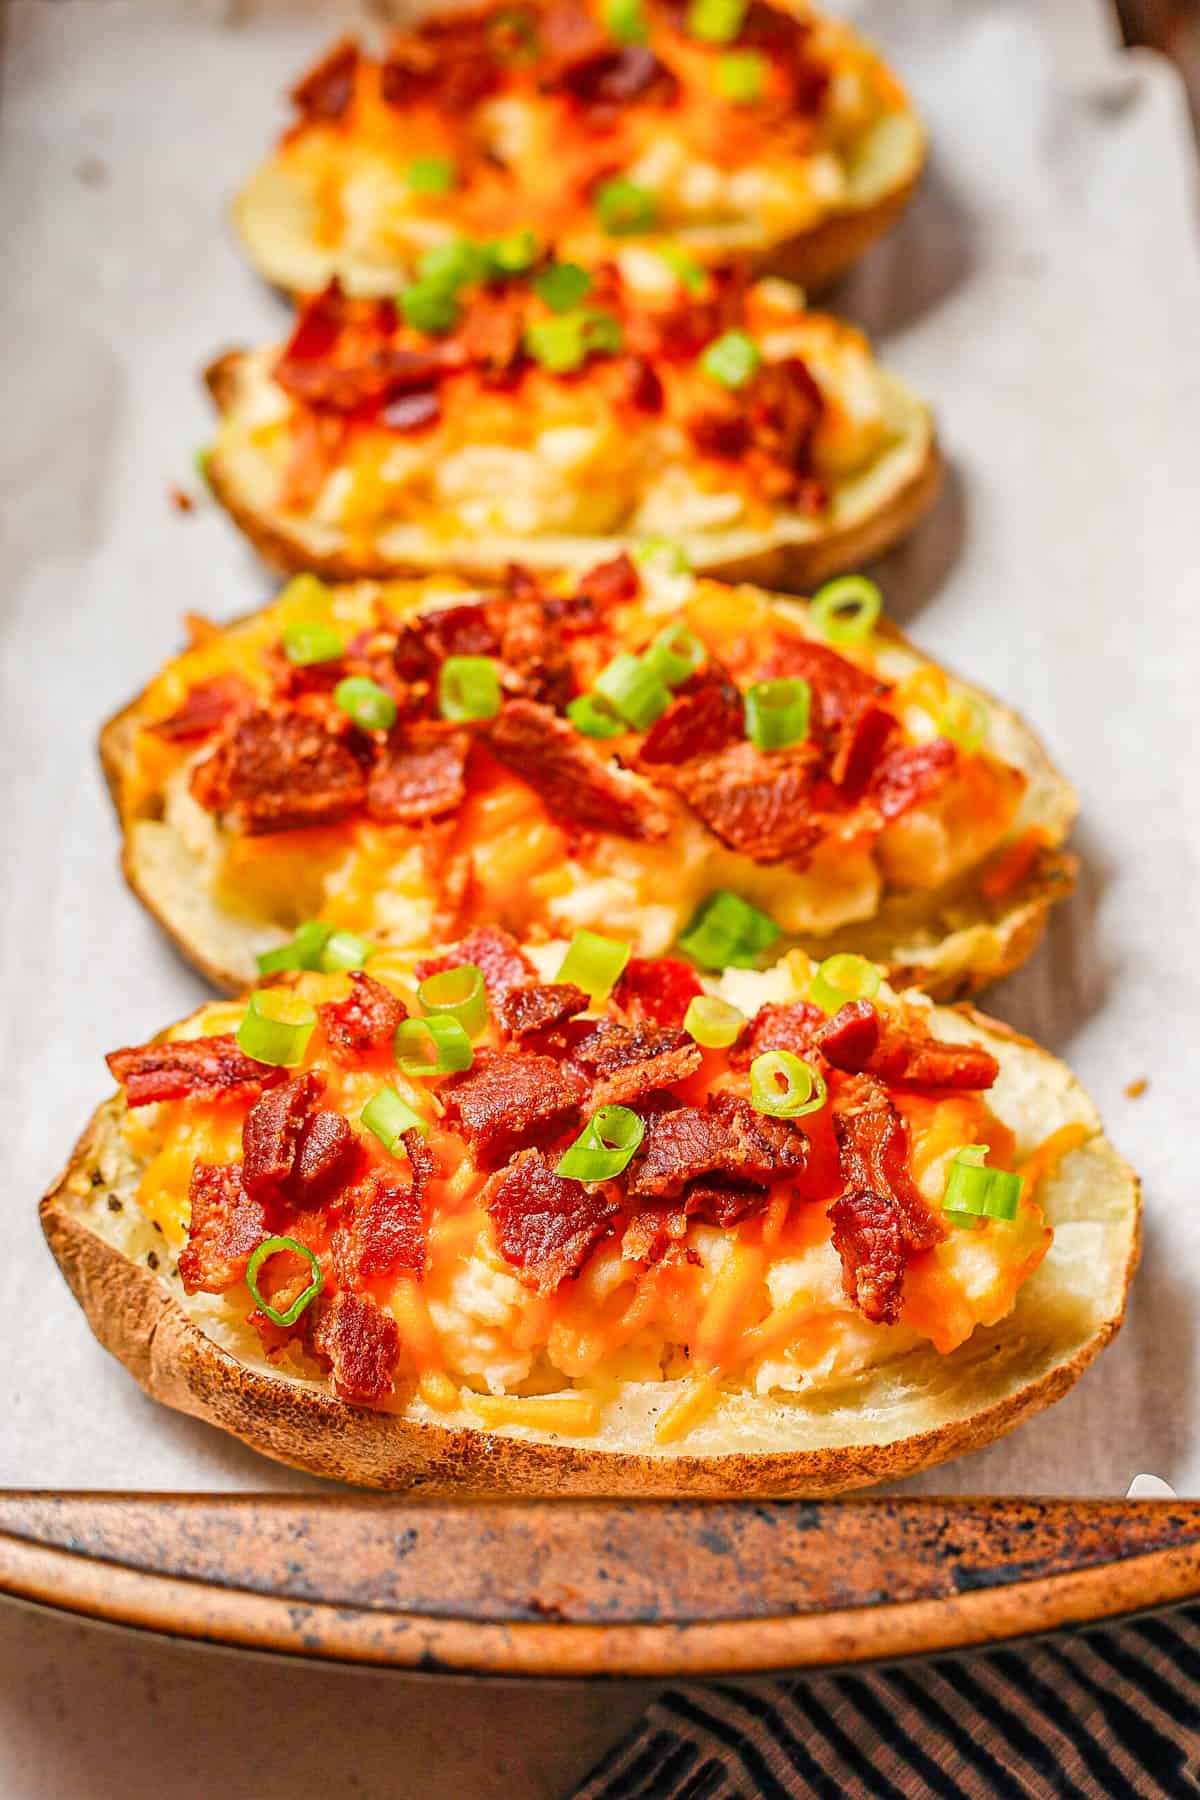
<point>506,1102</point>
<point>281,772</point>
<point>576,781</point>
<point>204,1068</point>
<point>546,1226</point>
<point>226,1226</point>
<point>364,1021</point>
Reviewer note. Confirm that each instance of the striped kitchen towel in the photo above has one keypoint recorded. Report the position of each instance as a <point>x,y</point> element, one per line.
<point>1109,1711</point>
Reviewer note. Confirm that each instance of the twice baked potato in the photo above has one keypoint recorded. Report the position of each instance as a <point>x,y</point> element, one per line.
<point>552,415</point>
<point>725,129</point>
<point>609,751</point>
<point>493,1232</point>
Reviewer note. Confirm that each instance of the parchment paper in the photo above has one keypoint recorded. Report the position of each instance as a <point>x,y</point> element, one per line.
<point>1043,289</point>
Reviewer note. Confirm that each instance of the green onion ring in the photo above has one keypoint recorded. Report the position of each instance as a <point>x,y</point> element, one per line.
<point>468,688</point>
<point>675,655</point>
<point>713,1023</point>
<point>302,950</point>
<point>776,712</point>
<point>727,932</point>
<point>846,610</point>
<point>633,689</point>
<point>974,1192</point>
<point>841,978</point>
<point>458,993</point>
<point>271,1247</point>
<point>345,950</point>
<point>593,716</point>
<point>389,1117</point>
<point>593,963</point>
<point>451,1046</point>
<point>964,720</point>
<point>308,641</point>
<point>604,1147</point>
<point>803,1090</point>
<point>370,706</point>
<point>281,1043</point>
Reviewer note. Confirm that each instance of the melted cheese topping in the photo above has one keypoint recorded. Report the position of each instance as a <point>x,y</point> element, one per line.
<point>569,457</point>
<point>748,172</point>
<point>760,1305</point>
<point>509,859</point>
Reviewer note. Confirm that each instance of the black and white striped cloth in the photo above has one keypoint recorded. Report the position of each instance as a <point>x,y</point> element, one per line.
<point>1111,1711</point>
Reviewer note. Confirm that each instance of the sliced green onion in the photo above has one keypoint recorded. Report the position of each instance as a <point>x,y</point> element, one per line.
<point>716,21</point>
<point>458,993</point>
<point>776,712</point>
<point>345,950</point>
<point>468,688</point>
<point>271,1247</point>
<point>604,1147</point>
<point>727,932</point>
<point>562,345</point>
<point>454,263</point>
<point>841,978</point>
<point>741,76</point>
<point>785,1087</point>
<point>687,271</point>
<point>370,706</point>
<point>713,1023</point>
<point>634,690</point>
<point>200,461</point>
<point>302,951</point>
<point>733,359</point>
<point>429,308</point>
<point>415,1038</point>
<point>266,1038</point>
<point>625,208</point>
<point>562,286</point>
<point>431,175</point>
<point>663,550</point>
<point>626,21</point>
<point>306,601</point>
<point>311,642</point>
<point>974,1192</point>
<point>514,253</point>
<point>675,655</point>
<point>593,963</point>
<point>847,610</point>
<point>964,720</point>
<point>595,717</point>
<point>389,1117</point>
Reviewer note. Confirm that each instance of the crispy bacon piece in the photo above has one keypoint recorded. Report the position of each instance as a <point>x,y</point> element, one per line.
<point>873,1152</point>
<point>326,1156</point>
<point>656,1226</point>
<point>227,1225</point>
<point>725,1138</point>
<point>382,1228</point>
<point>525,1011</point>
<point>206,1068</point>
<point>364,1021</point>
<point>323,95</point>
<point>341,356</point>
<point>909,775</point>
<point>779,1025</point>
<point>868,1235</point>
<point>271,1134</point>
<point>576,780</point>
<point>450,59</point>
<point>503,963</point>
<point>611,582</point>
<point>531,647</point>
<point>610,79</point>
<point>421,775</point>
<point>758,802</point>
<point>655,990</point>
<point>643,385</point>
<point>700,722</point>
<point>506,1102</point>
<point>280,773</point>
<point>425,642</point>
<point>492,334</point>
<point>841,690</point>
<point>360,1343</point>
<point>206,707</point>
<point>858,1039</point>
<point>628,1063</point>
<point>545,1225</point>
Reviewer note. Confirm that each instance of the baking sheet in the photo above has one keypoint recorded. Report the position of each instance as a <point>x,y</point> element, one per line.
<point>1044,289</point>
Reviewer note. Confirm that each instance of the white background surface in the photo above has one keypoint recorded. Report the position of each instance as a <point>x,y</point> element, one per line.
<point>1043,289</point>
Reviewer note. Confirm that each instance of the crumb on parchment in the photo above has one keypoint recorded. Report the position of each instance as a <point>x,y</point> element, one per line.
<point>1136,1089</point>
